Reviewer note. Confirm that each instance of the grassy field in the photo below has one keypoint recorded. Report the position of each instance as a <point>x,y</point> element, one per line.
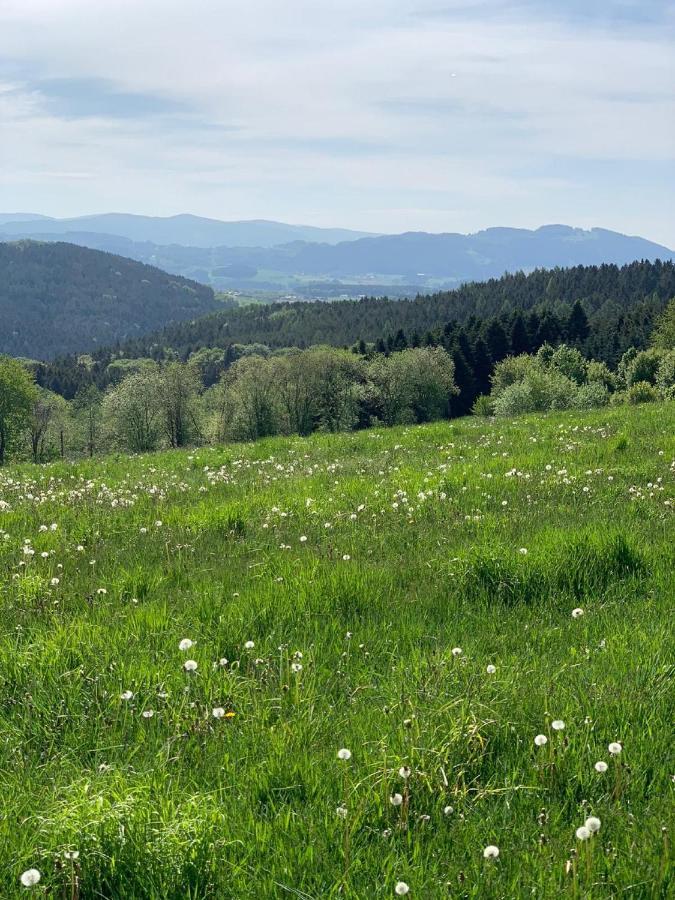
<point>406,595</point>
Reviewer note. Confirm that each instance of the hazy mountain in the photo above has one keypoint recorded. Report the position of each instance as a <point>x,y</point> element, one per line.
<point>187,230</point>
<point>57,298</point>
<point>22,217</point>
<point>417,259</point>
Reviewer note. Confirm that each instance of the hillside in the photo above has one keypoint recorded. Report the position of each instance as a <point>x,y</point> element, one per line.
<point>58,298</point>
<point>186,230</point>
<point>606,292</point>
<point>319,266</point>
<point>479,613</point>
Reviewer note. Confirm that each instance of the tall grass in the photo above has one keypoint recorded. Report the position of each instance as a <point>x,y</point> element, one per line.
<point>378,575</point>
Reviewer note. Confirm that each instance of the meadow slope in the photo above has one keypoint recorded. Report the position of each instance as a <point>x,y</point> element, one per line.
<point>403,594</point>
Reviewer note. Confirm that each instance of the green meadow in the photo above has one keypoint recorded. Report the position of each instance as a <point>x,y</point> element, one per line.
<point>189,639</point>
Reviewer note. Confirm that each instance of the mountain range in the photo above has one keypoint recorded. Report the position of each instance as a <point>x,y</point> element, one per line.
<point>272,256</point>
<point>186,230</point>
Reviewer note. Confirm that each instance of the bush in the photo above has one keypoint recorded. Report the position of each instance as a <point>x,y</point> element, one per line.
<point>538,392</point>
<point>484,406</point>
<point>644,367</point>
<point>619,398</point>
<point>600,373</point>
<point>642,392</point>
<point>665,376</point>
<point>570,363</point>
<point>590,396</point>
<point>512,370</point>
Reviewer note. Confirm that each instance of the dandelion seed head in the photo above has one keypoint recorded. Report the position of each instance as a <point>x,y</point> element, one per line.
<point>217,712</point>
<point>457,651</point>
<point>593,824</point>
<point>601,766</point>
<point>344,754</point>
<point>30,877</point>
<point>491,669</point>
<point>615,748</point>
<point>540,740</point>
<point>185,644</point>
<point>583,833</point>
<point>342,812</point>
<point>249,645</point>
<point>127,695</point>
<point>401,889</point>
<point>557,725</point>
<point>491,852</point>
<point>396,799</point>
<point>404,772</point>
<point>190,665</point>
<point>577,613</point>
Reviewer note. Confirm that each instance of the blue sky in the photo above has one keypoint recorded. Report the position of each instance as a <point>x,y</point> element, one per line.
<point>388,115</point>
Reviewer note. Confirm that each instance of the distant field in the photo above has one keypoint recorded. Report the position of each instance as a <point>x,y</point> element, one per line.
<point>378,575</point>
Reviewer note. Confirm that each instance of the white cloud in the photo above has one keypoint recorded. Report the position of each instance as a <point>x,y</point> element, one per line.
<point>387,115</point>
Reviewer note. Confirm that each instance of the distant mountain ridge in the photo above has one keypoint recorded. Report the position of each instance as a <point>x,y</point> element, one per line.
<point>186,230</point>
<point>58,298</point>
<point>419,260</point>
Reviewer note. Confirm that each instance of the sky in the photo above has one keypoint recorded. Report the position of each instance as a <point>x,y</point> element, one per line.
<point>381,115</point>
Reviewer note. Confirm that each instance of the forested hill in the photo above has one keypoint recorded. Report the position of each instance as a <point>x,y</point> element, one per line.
<point>611,296</point>
<point>58,298</point>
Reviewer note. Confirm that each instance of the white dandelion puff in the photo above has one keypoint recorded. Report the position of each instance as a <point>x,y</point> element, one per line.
<point>185,644</point>
<point>396,799</point>
<point>404,772</point>
<point>344,754</point>
<point>601,766</point>
<point>491,669</point>
<point>217,712</point>
<point>249,645</point>
<point>540,740</point>
<point>577,613</point>
<point>30,877</point>
<point>401,889</point>
<point>491,852</point>
<point>342,812</point>
<point>615,748</point>
<point>593,824</point>
<point>583,833</point>
<point>190,665</point>
<point>557,725</point>
<point>127,695</point>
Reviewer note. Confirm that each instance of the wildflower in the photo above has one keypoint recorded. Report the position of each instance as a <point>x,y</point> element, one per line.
<point>303,538</point>
<point>557,725</point>
<point>148,713</point>
<point>342,812</point>
<point>230,715</point>
<point>615,748</point>
<point>249,645</point>
<point>404,772</point>
<point>448,810</point>
<point>296,667</point>
<point>523,551</point>
<point>601,766</point>
<point>583,833</point>
<point>401,888</point>
<point>577,613</point>
<point>71,854</point>
<point>54,582</point>
<point>491,852</point>
<point>185,644</point>
<point>190,665</point>
<point>593,824</point>
<point>396,799</point>
<point>218,712</point>
<point>223,661</point>
<point>30,877</point>
<point>127,695</point>
<point>457,651</point>
<point>346,557</point>
<point>540,740</point>
<point>491,669</point>
<point>344,754</point>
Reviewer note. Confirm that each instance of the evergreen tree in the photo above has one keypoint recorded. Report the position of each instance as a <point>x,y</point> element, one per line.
<point>577,329</point>
<point>482,366</point>
<point>497,340</point>
<point>520,339</point>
